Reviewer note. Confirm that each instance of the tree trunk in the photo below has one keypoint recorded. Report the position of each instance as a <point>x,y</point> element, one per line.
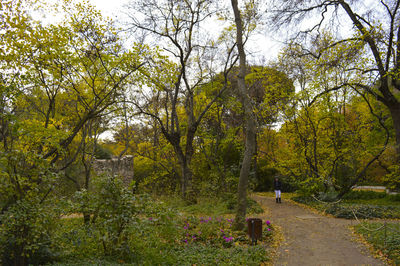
<point>86,215</point>
<point>250,125</point>
<point>188,184</point>
<point>186,174</point>
<point>244,175</point>
<point>395,113</point>
<point>255,157</point>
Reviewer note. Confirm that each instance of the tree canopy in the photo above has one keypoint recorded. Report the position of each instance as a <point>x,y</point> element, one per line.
<point>190,104</point>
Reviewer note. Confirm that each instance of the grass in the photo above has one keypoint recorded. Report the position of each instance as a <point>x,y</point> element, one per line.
<point>224,205</point>
<point>204,206</point>
<point>385,240</point>
<point>166,232</point>
<point>381,201</point>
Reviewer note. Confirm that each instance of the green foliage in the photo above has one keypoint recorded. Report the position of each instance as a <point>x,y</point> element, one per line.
<point>102,152</point>
<point>26,230</point>
<point>329,135</point>
<point>204,206</point>
<point>113,208</point>
<point>74,239</point>
<point>253,255</point>
<point>28,212</point>
<point>363,211</point>
<point>56,83</point>
<point>152,177</point>
<point>394,197</point>
<point>386,240</point>
<point>329,196</point>
<point>357,205</point>
<point>363,194</point>
<point>224,204</point>
<point>216,167</point>
<point>392,180</point>
<point>264,180</point>
<point>252,205</point>
<point>158,234</point>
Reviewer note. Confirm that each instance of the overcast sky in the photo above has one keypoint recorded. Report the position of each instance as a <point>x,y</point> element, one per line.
<point>262,47</point>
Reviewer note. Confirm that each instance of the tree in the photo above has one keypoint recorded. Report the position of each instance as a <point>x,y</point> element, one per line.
<point>328,146</point>
<point>174,84</point>
<point>250,122</point>
<point>55,81</point>
<point>377,27</point>
<point>221,138</point>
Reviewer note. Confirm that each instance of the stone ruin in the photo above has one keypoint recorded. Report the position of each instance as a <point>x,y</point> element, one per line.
<point>122,168</point>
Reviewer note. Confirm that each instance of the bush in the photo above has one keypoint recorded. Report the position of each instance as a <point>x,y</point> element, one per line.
<point>345,210</point>
<point>362,211</point>
<point>329,196</point>
<point>102,152</point>
<point>25,233</point>
<point>365,195</point>
<point>112,208</point>
<point>392,180</point>
<point>27,213</point>
<point>395,197</point>
<point>304,200</point>
<point>164,236</point>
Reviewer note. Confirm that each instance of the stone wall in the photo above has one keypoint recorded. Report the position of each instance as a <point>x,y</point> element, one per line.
<point>123,168</point>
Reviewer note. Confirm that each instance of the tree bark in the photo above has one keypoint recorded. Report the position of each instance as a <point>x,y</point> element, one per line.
<point>250,125</point>
<point>184,160</point>
<point>395,113</point>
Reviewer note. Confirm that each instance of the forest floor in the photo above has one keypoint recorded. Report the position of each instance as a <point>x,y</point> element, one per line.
<point>312,239</point>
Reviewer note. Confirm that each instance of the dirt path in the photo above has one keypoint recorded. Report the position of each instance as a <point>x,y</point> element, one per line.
<point>312,239</point>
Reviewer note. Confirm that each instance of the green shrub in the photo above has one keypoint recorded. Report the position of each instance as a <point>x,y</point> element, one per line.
<point>73,239</point>
<point>394,197</point>
<point>25,232</point>
<point>345,210</point>
<point>112,208</point>
<point>196,240</point>
<point>158,233</point>
<point>305,200</point>
<point>27,213</point>
<point>116,209</point>
<point>392,180</point>
<point>207,255</point>
<point>102,152</point>
<point>329,196</point>
<point>363,194</point>
<point>362,211</point>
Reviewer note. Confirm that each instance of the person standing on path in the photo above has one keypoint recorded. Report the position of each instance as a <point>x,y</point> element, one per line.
<point>277,188</point>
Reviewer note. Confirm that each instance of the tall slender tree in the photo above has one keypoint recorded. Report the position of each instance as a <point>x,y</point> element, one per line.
<point>250,122</point>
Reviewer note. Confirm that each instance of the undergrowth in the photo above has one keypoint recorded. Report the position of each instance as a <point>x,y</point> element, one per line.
<point>164,231</point>
<point>360,204</point>
<point>385,240</point>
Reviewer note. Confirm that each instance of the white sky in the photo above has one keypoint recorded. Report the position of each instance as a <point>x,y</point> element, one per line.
<point>260,45</point>
<point>109,8</point>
